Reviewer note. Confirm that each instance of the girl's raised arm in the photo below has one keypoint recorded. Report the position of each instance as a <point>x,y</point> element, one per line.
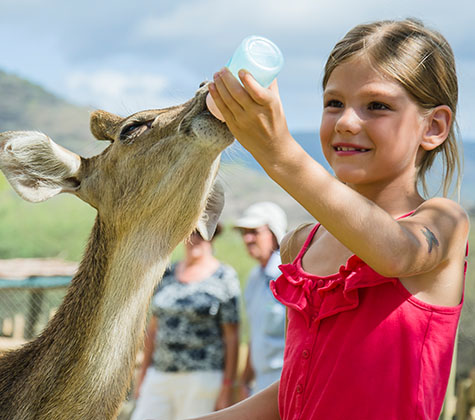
<point>436,233</point>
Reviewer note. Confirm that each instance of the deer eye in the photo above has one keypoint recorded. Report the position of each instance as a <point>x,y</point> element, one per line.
<point>135,129</point>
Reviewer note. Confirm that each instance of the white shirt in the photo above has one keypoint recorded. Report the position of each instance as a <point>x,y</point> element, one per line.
<point>267,323</point>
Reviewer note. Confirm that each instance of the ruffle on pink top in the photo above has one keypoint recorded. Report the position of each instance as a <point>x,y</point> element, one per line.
<point>336,292</point>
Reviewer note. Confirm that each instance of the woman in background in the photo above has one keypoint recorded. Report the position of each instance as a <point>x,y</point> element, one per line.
<point>192,340</point>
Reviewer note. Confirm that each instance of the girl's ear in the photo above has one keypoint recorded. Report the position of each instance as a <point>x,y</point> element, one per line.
<point>438,127</point>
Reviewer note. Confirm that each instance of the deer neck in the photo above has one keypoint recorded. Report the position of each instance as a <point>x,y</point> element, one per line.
<point>81,365</point>
<point>132,268</point>
<point>135,264</point>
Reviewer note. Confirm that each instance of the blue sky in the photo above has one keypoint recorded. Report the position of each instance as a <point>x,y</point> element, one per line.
<point>127,56</point>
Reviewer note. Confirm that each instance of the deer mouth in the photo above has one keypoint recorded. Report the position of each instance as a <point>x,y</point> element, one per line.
<point>197,121</point>
<point>206,113</point>
<point>198,109</point>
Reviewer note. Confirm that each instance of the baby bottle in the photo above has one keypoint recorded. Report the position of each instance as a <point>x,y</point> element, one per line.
<point>260,57</point>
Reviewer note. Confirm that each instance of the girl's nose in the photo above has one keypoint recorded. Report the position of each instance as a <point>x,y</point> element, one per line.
<point>349,122</point>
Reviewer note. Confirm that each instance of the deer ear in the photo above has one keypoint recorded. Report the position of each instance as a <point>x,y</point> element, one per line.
<point>214,206</point>
<point>36,167</point>
<point>104,125</point>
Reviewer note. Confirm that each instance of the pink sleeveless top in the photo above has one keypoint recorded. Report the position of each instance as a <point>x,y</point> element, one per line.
<point>359,346</point>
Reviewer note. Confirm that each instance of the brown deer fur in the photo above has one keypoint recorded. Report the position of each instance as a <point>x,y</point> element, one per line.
<point>149,187</point>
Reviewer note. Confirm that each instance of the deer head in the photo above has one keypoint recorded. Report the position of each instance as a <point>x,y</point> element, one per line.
<point>157,174</point>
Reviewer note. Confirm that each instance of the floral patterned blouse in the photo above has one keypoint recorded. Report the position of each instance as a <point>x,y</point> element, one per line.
<point>190,318</point>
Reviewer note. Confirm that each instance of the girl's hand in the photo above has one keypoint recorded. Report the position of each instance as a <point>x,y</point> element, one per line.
<point>253,114</point>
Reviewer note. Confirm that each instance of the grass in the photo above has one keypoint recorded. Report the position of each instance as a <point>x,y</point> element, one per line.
<point>56,228</point>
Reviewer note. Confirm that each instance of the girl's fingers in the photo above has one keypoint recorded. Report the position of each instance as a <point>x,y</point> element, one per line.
<point>235,88</point>
<point>225,95</point>
<point>259,94</point>
<point>225,112</point>
<point>275,88</point>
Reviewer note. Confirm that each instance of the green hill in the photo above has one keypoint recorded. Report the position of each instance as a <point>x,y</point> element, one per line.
<point>26,106</point>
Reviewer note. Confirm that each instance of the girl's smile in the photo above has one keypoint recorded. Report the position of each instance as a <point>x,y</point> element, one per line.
<point>348,149</point>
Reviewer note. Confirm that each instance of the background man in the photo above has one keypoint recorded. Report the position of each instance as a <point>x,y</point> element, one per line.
<point>262,227</point>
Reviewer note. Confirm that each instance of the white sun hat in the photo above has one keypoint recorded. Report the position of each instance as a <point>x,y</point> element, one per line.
<point>264,213</point>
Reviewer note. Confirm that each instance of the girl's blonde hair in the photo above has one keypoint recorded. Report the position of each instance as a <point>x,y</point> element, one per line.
<point>422,61</point>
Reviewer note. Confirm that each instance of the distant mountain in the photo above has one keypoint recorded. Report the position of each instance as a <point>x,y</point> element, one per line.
<point>26,106</point>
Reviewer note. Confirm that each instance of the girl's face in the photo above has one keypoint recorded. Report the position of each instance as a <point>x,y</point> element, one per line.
<point>371,128</point>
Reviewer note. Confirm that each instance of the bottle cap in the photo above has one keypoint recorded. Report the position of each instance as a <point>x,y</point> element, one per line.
<point>260,57</point>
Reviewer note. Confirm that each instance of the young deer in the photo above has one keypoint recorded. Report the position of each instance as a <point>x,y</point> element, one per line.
<point>151,187</point>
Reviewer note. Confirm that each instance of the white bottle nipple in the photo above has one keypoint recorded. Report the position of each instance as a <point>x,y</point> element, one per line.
<point>213,108</point>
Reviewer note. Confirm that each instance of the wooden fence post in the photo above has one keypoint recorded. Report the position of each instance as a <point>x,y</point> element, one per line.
<point>450,402</point>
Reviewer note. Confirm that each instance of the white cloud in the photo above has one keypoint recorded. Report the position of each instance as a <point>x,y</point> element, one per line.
<point>119,91</point>
<point>215,20</point>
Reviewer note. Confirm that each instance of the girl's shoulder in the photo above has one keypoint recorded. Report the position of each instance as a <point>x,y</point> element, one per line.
<point>446,214</point>
<point>443,225</point>
<point>443,204</point>
<point>293,242</point>
<point>435,269</point>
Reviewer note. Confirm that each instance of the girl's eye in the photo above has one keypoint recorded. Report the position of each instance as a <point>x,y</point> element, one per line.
<point>333,103</point>
<point>377,106</point>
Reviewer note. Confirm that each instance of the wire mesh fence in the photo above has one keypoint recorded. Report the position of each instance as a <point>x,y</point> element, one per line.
<point>31,290</point>
<point>24,312</point>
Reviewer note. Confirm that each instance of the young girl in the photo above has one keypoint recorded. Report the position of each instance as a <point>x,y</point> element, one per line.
<point>374,293</point>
